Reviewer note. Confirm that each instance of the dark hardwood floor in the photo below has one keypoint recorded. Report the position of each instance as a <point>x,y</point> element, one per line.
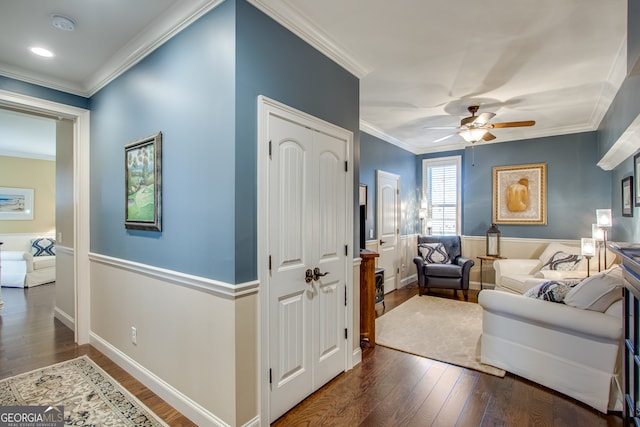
<point>30,338</point>
<point>391,388</point>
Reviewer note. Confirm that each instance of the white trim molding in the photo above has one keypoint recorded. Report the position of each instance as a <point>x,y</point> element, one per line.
<point>64,317</point>
<point>211,286</point>
<point>81,195</point>
<point>284,13</point>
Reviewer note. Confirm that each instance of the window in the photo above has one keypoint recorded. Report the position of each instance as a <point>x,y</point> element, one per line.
<point>441,192</point>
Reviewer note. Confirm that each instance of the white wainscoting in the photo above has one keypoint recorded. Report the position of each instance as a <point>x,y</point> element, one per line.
<point>510,247</point>
<point>407,249</point>
<point>197,339</point>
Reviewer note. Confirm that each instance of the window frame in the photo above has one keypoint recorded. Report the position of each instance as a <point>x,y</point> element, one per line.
<point>445,161</point>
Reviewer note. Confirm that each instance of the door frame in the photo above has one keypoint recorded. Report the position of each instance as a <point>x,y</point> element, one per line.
<point>396,258</point>
<point>81,195</point>
<point>266,108</point>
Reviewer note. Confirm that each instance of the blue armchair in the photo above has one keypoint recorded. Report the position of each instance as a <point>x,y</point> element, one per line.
<point>451,275</point>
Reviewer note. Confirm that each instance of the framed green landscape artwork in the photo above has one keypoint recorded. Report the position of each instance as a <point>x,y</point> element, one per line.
<point>143,183</point>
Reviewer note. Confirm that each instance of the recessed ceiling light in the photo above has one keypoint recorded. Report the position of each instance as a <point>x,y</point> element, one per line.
<point>40,51</point>
<point>63,23</point>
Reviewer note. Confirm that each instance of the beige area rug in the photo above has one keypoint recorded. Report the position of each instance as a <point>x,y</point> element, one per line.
<point>436,328</point>
<point>88,395</point>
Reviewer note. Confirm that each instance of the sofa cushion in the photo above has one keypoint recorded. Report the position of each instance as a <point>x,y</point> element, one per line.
<point>562,261</point>
<point>44,262</point>
<point>433,253</point>
<point>43,246</point>
<point>597,292</point>
<point>552,290</point>
<point>443,270</point>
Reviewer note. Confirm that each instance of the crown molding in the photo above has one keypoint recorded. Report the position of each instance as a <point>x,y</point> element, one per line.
<point>41,80</point>
<point>25,155</point>
<point>374,131</point>
<point>171,22</point>
<point>610,88</point>
<point>302,26</point>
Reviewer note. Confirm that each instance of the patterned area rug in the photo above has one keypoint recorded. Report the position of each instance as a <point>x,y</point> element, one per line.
<point>89,395</point>
<point>437,328</point>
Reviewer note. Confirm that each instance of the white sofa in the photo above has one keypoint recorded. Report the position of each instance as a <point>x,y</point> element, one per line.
<point>570,349</point>
<point>18,267</point>
<point>519,275</point>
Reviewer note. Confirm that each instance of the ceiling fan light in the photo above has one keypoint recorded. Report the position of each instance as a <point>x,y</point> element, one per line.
<point>473,135</point>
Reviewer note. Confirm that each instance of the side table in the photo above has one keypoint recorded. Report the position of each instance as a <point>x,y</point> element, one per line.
<point>487,258</point>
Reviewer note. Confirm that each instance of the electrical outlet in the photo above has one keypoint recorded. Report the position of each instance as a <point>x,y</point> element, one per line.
<point>134,335</point>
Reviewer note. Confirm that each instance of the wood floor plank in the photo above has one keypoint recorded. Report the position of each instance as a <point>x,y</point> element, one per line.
<point>389,388</point>
<point>31,338</point>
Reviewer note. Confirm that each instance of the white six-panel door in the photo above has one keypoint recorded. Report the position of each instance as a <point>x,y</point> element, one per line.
<point>307,231</point>
<point>388,220</point>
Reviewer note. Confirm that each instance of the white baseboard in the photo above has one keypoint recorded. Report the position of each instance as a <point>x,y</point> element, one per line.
<point>253,423</point>
<point>192,410</point>
<point>67,320</point>
<point>410,279</point>
<point>356,357</point>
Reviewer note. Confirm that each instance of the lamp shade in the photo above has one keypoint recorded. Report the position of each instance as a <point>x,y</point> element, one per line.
<point>597,233</point>
<point>473,135</point>
<point>587,246</point>
<point>603,218</point>
<point>493,241</point>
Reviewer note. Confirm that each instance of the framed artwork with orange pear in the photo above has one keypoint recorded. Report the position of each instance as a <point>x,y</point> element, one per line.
<point>520,194</point>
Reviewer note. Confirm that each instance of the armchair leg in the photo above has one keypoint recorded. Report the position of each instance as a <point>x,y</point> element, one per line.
<point>465,292</point>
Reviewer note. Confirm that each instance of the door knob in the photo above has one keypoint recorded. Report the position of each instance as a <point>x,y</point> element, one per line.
<point>308,276</point>
<point>317,274</point>
<point>382,242</point>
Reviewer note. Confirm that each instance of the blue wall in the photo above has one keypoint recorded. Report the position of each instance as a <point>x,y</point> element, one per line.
<point>186,90</point>
<point>204,101</point>
<point>576,187</point>
<point>377,154</point>
<point>271,61</point>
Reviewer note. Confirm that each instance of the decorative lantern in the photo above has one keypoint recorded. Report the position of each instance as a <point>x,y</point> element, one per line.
<point>493,241</point>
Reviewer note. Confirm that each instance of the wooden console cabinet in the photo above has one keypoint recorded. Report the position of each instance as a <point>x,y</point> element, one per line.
<point>368,296</point>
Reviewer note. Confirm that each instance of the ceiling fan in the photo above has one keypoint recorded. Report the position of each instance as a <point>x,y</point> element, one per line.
<point>475,128</point>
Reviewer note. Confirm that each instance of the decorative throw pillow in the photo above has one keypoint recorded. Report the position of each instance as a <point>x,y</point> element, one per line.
<point>597,292</point>
<point>43,247</point>
<point>433,253</point>
<point>553,290</point>
<point>562,261</point>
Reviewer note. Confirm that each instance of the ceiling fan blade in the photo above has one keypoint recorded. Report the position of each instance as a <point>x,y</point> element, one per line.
<point>512,124</point>
<point>483,118</point>
<point>488,136</point>
<point>444,137</point>
<point>440,127</point>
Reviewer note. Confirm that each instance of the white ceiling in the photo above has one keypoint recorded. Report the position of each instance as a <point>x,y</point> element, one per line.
<point>421,62</point>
